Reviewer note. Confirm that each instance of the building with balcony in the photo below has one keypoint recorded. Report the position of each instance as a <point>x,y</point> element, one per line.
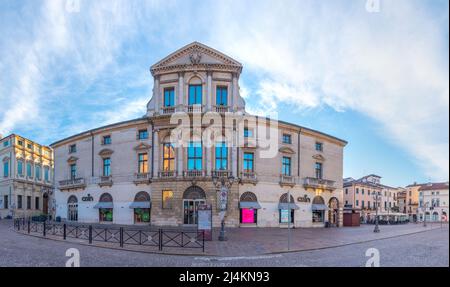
<point>159,168</point>
<point>26,178</point>
<point>433,202</point>
<point>362,194</point>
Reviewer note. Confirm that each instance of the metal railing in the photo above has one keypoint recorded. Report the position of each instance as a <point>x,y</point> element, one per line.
<point>123,236</point>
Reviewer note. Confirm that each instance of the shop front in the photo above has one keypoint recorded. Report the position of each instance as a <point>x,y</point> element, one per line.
<point>141,208</point>
<point>105,208</point>
<point>287,211</point>
<point>248,205</point>
<point>318,211</point>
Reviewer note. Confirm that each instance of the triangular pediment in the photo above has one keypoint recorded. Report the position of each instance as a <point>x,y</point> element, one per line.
<point>196,54</point>
<point>318,157</point>
<point>142,146</point>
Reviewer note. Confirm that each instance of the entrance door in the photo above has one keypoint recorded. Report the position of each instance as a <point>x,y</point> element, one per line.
<point>190,207</point>
<point>45,204</point>
<point>72,212</point>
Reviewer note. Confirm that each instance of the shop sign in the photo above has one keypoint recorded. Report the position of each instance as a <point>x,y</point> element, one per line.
<point>305,198</point>
<point>87,198</point>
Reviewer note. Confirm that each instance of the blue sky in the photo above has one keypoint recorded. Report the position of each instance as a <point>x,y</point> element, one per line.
<point>378,80</point>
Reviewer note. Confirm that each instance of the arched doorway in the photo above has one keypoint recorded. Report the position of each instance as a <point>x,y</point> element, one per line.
<point>192,198</point>
<point>287,209</point>
<point>318,209</point>
<point>248,204</point>
<point>141,207</point>
<point>105,208</point>
<point>427,216</point>
<point>45,203</point>
<point>72,208</point>
<point>333,212</point>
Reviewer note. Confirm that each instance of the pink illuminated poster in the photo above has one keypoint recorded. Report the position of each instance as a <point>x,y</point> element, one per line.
<point>248,215</point>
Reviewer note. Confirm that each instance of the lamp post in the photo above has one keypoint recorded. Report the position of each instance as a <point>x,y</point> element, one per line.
<point>223,184</point>
<point>376,198</point>
<point>425,205</point>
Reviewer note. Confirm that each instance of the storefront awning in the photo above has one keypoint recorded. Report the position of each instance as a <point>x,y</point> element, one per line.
<point>140,204</point>
<point>104,205</point>
<point>286,206</point>
<point>319,207</point>
<point>249,205</point>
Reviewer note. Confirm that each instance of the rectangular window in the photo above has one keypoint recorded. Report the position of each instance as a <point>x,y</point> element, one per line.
<point>357,202</point>
<point>287,139</point>
<point>368,204</point>
<point>167,198</point>
<point>6,169</point>
<point>19,201</point>
<point>73,171</point>
<point>143,163</point>
<point>29,170</point>
<point>357,190</point>
<point>248,133</point>
<point>72,148</point>
<point>168,157</point>
<point>29,146</point>
<point>248,162</point>
<point>19,142</point>
<point>221,156</point>
<point>362,191</point>
<point>195,156</point>
<point>36,203</point>
<point>169,97</point>
<point>5,143</point>
<point>195,95</point>
<point>28,202</point>
<point>143,134</point>
<point>106,140</point>
<point>362,203</point>
<point>47,173</point>
<point>346,191</point>
<point>20,167</point>
<point>221,96</point>
<point>38,172</point>
<point>5,202</point>
<point>286,166</point>
<point>106,166</point>
<point>319,170</point>
<point>319,146</point>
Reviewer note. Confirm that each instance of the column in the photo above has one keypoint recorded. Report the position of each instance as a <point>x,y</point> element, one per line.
<point>156,95</point>
<point>208,160</point>
<point>156,154</point>
<point>234,170</point>
<point>235,91</point>
<point>180,90</point>
<point>209,92</point>
<point>180,160</point>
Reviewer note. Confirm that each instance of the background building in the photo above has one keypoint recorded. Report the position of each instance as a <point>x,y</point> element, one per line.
<point>412,201</point>
<point>360,193</point>
<point>401,200</point>
<point>137,172</point>
<point>26,177</point>
<point>433,202</point>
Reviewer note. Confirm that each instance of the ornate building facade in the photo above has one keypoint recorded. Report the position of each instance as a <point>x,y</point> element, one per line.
<point>26,178</point>
<point>160,168</point>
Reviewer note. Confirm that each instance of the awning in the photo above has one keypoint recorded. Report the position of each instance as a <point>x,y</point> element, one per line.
<point>140,204</point>
<point>286,206</point>
<point>319,207</point>
<point>249,204</point>
<point>104,205</point>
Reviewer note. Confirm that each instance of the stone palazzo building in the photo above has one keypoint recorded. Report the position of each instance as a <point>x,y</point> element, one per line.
<point>26,178</point>
<point>160,168</point>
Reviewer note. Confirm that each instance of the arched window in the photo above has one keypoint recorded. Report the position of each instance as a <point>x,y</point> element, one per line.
<point>249,206</point>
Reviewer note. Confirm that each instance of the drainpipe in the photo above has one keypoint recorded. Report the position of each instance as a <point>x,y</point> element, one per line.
<point>153,149</point>
<point>92,154</point>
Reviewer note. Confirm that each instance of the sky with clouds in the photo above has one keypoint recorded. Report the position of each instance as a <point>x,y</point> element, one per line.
<point>375,77</point>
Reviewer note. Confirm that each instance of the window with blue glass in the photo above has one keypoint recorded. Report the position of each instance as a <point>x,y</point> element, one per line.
<point>319,170</point>
<point>143,134</point>
<point>107,140</point>
<point>20,167</point>
<point>195,95</point>
<point>169,97</point>
<point>106,166</point>
<point>29,170</point>
<point>195,156</point>
<point>248,162</point>
<point>73,171</point>
<point>38,172</point>
<point>46,173</point>
<point>248,133</point>
<point>6,143</point>
<point>222,96</point>
<point>286,166</point>
<point>221,156</point>
<point>287,139</point>
<point>6,169</point>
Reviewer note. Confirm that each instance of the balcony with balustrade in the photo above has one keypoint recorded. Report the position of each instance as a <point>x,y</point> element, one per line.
<point>325,184</point>
<point>194,174</point>
<point>167,174</point>
<point>168,110</point>
<point>248,177</point>
<point>287,180</point>
<point>76,183</point>
<point>142,178</point>
<point>105,181</point>
<point>221,109</point>
<point>195,109</point>
<point>221,173</point>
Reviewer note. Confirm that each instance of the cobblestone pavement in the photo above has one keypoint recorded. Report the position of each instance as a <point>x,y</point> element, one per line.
<point>428,248</point>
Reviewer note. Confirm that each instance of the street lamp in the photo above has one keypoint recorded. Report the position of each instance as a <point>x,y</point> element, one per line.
<point>223,184</point>
<point>376,198</point>
<point>425,205</point>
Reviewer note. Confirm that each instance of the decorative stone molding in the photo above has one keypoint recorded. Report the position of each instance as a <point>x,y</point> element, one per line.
<point>142,147</point>
<point>318,157</point>
<point>72,159</point>
<point>287,150</point>
<point>105,152</point>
